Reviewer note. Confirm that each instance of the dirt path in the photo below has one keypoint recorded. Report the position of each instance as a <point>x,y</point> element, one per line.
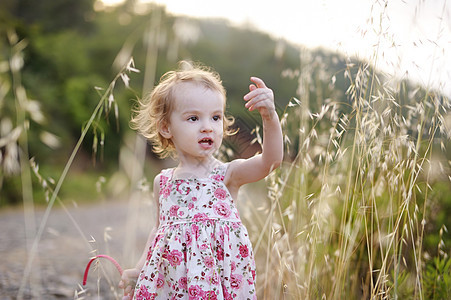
<point>63,251</point>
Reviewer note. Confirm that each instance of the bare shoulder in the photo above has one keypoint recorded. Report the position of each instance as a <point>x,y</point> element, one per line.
<point>232,169</point>
<point>242,171</point>
<point>230,179</point>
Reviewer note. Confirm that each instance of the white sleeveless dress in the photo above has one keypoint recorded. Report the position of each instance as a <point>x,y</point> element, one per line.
<point>201,249</point>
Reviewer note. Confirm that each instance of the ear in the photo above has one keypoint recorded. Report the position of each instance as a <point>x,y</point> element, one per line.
<point>165,130</point>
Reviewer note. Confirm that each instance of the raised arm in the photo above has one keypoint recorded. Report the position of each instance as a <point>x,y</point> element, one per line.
<point>244,171</point>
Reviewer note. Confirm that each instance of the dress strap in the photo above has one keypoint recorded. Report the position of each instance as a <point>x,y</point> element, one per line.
<point>219,172</point>
<point>167,172</point>
<point>166,176</point>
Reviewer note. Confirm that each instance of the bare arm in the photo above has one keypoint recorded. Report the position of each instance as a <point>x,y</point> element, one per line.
<point>130,276</point>
<point>244,171</point>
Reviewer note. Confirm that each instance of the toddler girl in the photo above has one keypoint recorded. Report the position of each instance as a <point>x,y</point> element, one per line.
<point>200,249</point>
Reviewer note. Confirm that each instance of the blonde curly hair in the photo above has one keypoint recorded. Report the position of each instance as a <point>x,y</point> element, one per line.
<point>156,107</point>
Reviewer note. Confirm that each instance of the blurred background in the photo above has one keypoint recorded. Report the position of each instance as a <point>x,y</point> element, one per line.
<point>71,71</point>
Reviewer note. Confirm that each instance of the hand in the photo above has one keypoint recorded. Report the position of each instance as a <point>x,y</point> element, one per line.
<point>261,98</point>
<point>128,282</point>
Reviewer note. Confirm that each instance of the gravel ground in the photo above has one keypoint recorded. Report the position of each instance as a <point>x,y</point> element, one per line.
<point>63,251</point>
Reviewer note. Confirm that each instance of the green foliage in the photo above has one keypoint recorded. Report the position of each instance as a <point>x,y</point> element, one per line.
<point>50,16</point>
<point>437,279</point>
<point>439,209</point>
<point>401,283</point>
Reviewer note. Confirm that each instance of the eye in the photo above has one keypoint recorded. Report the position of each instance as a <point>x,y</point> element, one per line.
<point>217,118</point>
<point>193,118</point>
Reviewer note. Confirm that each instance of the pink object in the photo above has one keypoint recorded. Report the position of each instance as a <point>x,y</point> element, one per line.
<point>118,267</point>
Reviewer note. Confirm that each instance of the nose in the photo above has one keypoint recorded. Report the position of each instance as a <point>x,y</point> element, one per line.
<point>206,126</point>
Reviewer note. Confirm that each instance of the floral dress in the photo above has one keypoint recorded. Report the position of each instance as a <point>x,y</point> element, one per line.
<point>201,249</point>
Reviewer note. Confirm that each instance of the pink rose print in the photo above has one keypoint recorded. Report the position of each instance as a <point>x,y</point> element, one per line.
<point>195,231</point>
<point>163,180</point>
<point>235,281</point>
<point>220,253</point>
<point>236,225</point>
<point>175,257</point>
<point>222,209</point>
<point>160,281</point>
<point>183,283</point>
<point>195,292</point>
<point>181,190</point>
<point>144,294</point>
<point>166,191</point>
<point>217,177</point>
<point>233,266</point>
<point>210,238</point>
<point>209,261</point>
<point>200,217</point>
<point>213,279</point>
<point>221,234</point>
<point>244,251</point>
<point>226,294</point>
<point>210,295</point>
<point>173,210</point>
<point>220,193</point>
<point>203,247</point>
<point>226,230</point>
<point>149,254</point>
<point>188,238</point>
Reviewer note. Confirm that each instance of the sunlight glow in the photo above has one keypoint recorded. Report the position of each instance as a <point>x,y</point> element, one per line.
<point>414,37</point>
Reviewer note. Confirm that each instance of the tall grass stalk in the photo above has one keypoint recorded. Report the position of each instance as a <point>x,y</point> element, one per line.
<point>140,146</point>
<point>21,107</point>
<point>103,105</point>
<point>347,212</point>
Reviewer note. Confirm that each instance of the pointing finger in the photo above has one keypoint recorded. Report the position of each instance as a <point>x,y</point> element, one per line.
<point>260,83</point>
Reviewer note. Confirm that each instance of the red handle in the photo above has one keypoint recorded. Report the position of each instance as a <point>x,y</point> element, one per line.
<point>118,267</point>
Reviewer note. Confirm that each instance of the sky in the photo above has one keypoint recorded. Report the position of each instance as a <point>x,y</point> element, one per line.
<point>414,36</point>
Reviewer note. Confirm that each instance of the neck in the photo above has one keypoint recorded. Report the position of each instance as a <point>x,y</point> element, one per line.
<point>196,167</point>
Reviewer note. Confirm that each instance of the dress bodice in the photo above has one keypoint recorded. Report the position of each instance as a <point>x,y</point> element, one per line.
<point>195,199</point>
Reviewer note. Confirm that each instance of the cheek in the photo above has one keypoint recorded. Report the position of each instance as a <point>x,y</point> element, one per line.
<point>220,127</point>
<point>221,133</point>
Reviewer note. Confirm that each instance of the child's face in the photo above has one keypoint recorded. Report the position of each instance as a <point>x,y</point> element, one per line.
<point>196,121</point>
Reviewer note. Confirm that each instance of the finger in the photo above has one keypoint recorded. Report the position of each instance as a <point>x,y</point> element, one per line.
<point>262,105</point>
<point>257,103</point>
<point>252,88</point>
<point>267,97</point>
<point>260,83</point>
<point>259,94</point>
<point>255,93</point>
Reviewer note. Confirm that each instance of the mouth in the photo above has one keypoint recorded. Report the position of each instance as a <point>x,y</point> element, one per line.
<point>206,141</point>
